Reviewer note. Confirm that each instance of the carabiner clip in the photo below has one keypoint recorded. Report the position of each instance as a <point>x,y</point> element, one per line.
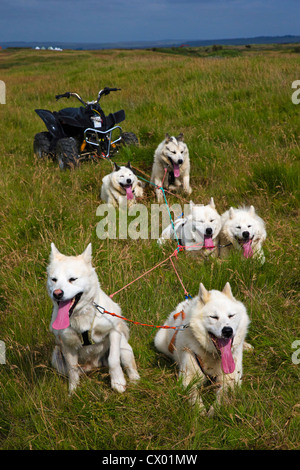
<point>99,308</point>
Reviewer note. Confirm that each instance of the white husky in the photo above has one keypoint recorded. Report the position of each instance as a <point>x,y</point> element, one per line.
<point>243,230</point>
<point>171,166</point>
<point>211,344</point>
<point>199,230</point>
<point>121,187</point>
<point>73,286</point>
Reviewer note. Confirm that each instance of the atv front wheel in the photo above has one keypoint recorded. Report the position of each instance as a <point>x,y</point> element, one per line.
<point>41,145</point>
<point>67,153</point>
<point>129,138</point>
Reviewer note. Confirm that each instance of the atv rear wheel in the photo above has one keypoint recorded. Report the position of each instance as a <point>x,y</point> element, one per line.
<point>67,153</point>
<point>41,145</point>
<point>129,138</point>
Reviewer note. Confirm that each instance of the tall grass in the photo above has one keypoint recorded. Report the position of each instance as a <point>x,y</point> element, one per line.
<point>243,133</point>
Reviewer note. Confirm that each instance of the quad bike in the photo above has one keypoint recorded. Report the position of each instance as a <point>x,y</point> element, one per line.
<point>76,134</point>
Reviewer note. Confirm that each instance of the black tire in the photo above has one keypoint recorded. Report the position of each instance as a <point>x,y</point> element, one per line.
<point>67,153</point>
<point>41,145</point>
<point>129,138</point>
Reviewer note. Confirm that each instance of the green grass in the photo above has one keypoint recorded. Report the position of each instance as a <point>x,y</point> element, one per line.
<point>243,132</point>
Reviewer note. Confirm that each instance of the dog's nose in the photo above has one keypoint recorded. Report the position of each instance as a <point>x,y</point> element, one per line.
<point>227,331</point>
<point>58,294</point>
<point>246,235</point>
<point>208,231</point>
<point>128,180</point>
<point>180,161</point>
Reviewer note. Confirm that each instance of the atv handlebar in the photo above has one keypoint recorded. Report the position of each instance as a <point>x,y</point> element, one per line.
<point>105,91</point>
<point>65,95</point>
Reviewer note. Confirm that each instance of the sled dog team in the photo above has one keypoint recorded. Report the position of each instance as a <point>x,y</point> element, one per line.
<point>207,333</point>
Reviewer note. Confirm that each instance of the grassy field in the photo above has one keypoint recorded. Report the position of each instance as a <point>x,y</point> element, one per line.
<point>243,132</point>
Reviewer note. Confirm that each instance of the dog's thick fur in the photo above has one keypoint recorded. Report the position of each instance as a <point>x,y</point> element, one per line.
<point>211,346</point>
<point>171,155</point>
<point>198,231</point>
<point>121,187</point>
<point>242,230</point>
<point>73,277</point>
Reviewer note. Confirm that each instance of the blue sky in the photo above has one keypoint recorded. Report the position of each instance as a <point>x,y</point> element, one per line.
<point>145,20</point>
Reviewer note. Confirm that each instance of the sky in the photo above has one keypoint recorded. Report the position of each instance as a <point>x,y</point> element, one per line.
<point>109,21</point>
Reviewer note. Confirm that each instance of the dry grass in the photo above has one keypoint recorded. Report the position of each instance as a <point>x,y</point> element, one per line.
<point>243,133</point>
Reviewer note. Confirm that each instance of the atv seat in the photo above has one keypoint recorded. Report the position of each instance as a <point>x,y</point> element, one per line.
<point>78,117</point>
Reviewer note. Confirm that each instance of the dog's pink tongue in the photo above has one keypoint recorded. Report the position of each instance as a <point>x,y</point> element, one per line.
<point>208,243</point>
<point>247,249</point>
<point>62,319</point>
<point>228,364</point>
<point>176,170</point>
<point>129,193</point>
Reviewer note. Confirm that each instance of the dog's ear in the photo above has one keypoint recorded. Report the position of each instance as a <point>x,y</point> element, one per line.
<point>168,138</point>
<point>212,203</point>
<point>54,251</point>
<point>227,291</point>
<point>203,294</point>
<point>130,168</point>
<point>231,213</point>
<point>116,167</point>
<point>180,138</point>
<point>252,211</point>
<point>87,254</point>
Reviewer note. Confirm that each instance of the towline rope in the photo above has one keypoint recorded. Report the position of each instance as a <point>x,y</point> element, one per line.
<point>102,310</point>
<point>149,270</point>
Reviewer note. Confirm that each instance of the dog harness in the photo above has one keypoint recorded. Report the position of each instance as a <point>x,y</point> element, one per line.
<point>171,346</point>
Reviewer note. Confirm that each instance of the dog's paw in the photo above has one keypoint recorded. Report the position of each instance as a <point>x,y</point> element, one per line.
<point>248,347</point>
<point>119,387</point>
<point>133,376</point>
<point>72,388</point>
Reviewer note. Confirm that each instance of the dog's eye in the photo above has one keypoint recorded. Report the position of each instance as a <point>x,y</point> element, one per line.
<point>212,220</point>
<point>215,317</point>
<point>53,279</point>
<point>238,226</point>
<point>249,226</point>
<point>231,315</point>
<point>72,279</point>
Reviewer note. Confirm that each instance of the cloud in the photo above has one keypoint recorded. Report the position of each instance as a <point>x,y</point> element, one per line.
<point>125,20</point>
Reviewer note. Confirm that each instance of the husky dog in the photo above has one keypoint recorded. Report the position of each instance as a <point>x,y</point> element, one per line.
<point>198,231</point>
<point>243,230</point>
<point>209,341</point>
<point>171,166</point>
<point>73,286</point>
<point>121,187</point>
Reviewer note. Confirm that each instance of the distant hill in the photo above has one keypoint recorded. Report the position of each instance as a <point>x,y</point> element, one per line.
<point>289,39</point>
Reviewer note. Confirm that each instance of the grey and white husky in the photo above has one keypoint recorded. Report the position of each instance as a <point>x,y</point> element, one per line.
<point>171,166</point>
